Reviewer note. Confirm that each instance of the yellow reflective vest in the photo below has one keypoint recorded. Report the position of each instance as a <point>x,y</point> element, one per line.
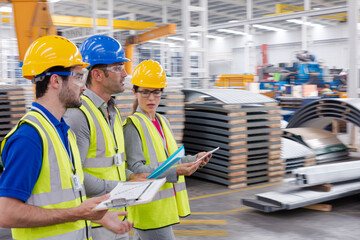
<point>104,145</point>
<point>172,199</point>
<point>54,188</point>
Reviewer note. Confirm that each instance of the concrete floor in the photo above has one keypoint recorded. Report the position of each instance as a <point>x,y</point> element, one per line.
<point>218,214</point>
<point>211,201</point>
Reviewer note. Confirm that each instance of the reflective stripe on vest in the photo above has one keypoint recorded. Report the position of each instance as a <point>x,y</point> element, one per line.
<point>99,161</point>
<point>53,189</point>
<point>147,216</point>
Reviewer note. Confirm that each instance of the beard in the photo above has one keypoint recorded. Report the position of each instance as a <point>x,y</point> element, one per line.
<point>69,98</point>
<point>114,86</point>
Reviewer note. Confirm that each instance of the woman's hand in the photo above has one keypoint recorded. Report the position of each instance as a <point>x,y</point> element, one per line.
<point>187,169</point>
<point>205,160</point>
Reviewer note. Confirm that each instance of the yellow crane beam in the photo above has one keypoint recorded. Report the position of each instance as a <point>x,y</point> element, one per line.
<point>71,21</point>
<point>32,20</point>
<point>285,8</point>
<point>153,34</point>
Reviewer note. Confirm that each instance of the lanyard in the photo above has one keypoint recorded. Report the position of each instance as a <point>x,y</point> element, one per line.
<point>67,153</point>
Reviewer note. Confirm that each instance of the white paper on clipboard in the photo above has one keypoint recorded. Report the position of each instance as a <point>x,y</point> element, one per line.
<point>210,152</point>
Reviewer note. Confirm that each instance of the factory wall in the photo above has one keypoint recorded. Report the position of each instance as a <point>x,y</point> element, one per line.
<point>328,44</point>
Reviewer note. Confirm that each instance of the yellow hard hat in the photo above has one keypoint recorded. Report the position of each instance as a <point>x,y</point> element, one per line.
<point>149,74</point>
<point>50,51</point>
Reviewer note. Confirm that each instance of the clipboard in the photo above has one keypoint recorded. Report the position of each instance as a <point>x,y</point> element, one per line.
<point>132,193</point>
<point>176,156</point>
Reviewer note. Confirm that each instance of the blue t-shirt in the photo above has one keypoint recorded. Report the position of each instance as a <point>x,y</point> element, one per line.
<point>22,157</point>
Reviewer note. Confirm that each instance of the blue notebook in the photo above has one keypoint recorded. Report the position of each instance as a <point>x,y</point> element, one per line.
<point>176,156</point>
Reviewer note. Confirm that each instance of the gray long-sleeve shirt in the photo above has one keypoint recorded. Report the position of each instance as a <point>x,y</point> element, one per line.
<point>135,157</point>
<point>78,122</point>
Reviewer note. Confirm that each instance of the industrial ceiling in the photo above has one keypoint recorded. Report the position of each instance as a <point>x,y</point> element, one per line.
<point>219,12</point>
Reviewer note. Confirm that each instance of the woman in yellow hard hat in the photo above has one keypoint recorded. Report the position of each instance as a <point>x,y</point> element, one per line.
<point>151,131</point>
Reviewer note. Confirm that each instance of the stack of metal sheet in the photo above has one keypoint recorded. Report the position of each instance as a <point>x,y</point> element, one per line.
<point>246,127</point>
<point>320,113</point>
<point>171,106</point>
<point>296,155</point>
<point>290,102</point>
<point>124,102</point>
<point>12,108</point>
<point>325,144</point>
<point>329,173</point>
<point>344,179</point>
<point>300,197</point>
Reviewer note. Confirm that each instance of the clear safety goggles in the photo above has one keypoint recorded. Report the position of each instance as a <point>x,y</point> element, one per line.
<point>79,77</point>
<point>117,68</point>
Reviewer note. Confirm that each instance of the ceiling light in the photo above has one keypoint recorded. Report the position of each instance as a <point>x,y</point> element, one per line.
<point>161,42</point>
<point>231,31</point>
<point>297,21</point>
<point>195,34</point>
<point>176,38</point>
<point>233,21</point>
<point>269,28</point>
<point>5,9</point>
<point>214,37</point>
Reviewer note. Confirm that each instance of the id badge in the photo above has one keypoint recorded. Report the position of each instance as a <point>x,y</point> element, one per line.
<point>76,182</point>
<point>118,159</point>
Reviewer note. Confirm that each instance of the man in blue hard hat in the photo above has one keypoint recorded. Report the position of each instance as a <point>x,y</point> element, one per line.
<point>97,123</point>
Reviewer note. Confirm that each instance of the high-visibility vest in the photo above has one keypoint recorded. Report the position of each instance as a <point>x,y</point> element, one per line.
<point>54,188</point>
<point>99,160</point>
<point>172,199</point>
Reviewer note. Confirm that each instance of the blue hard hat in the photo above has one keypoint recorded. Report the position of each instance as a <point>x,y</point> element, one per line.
<point>102,49</point>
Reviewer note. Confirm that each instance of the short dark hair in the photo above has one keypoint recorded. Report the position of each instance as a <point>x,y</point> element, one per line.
<point>42,86</point>
<point>101,67</point>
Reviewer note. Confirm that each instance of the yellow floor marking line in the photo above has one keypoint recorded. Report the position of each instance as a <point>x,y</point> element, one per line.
<point>195,233</point>
<point>339,212</point>
<point>201,233</point>
<point>202,222</point>
<point>234,191</point>
<point>225,212</point>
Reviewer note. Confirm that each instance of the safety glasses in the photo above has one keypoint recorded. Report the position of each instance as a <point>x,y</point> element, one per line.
<point>146,93</point>
<point>79,77</point>
<point>116,69</point>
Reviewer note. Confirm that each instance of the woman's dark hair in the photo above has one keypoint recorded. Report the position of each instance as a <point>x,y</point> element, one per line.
<point>42,86</point>
<point>136,88</point>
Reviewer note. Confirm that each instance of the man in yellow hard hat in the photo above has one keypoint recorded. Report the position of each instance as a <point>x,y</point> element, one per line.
<point>149,141</point>
<point>41,189</point>
<point>97,123</point>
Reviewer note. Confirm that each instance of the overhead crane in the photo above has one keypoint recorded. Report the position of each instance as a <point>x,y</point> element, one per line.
<point>286,8</point>
<point>32,20</point>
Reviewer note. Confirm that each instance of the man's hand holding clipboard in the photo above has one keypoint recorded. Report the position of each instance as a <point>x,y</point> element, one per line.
<point>205,157</point>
